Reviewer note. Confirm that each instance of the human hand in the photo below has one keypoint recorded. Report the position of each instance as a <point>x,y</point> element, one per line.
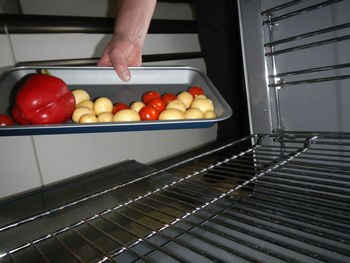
<point>121,53</point>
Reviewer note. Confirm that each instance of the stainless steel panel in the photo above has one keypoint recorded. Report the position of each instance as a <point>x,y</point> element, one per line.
<point>306,66</point>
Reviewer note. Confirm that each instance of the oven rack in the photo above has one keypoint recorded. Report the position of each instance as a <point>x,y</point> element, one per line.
<point>284,198</point>
<point>288,68</point>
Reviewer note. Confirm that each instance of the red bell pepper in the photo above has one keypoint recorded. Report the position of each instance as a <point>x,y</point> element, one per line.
<point>43,99</point>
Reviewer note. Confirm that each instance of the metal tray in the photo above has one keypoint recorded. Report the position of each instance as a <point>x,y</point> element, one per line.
<point>103,82</point>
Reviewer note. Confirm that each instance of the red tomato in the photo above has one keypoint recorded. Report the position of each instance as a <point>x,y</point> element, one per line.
<point>149,96</point>
<point>119,106</point>
<point>149,113</point>
<point>168,97</point>
<point>158,104</point>
<point>195,91</point>
<point>6,120</point>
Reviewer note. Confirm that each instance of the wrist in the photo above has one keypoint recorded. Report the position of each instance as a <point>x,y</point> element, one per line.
<point>133,19</point>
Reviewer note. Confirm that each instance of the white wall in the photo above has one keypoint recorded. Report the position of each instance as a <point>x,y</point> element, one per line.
<point>28,162</point>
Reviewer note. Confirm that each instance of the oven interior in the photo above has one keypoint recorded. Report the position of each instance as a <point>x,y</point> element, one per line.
<point>277,196</point>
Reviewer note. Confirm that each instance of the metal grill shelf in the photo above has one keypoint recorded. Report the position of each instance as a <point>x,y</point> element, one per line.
<point>280,199</point>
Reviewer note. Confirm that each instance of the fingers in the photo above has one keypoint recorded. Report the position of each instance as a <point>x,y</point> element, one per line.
<point>135,59</point>
<point>121,54</point>
<point>104,61</point>
<point>119,64</point>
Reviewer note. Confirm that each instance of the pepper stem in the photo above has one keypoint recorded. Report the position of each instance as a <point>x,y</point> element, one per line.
<point>45,72</point>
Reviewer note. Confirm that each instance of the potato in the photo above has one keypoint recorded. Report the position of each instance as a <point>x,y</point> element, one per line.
<point>88,118</point>
<point>203,105</point>
<point>209,114</point>
<point>80,95</point>
<point>80,111</point>
<point>186,98</point>
<point>176,104</point>
<point>194,113</point>
<point>137,106</point>
<point>105,117</point>
<point>103,105</point>
<point>172,114</point>
<point>86,103</point>
<point>126,115</point>
<point>200,96</point>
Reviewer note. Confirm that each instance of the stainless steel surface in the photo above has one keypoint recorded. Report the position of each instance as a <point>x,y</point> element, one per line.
<point>283,199</point>
<point>302,57</point>
<point>103,82</point>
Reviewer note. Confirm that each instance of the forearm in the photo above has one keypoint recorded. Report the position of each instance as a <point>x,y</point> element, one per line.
<point>133,19</point>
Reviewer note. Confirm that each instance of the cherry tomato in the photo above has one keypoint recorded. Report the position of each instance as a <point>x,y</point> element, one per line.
<point>149,113</point>
<point>195,91</point>
<point>168,97</point>
<point>6,120</point>
<point>158,104</point>
<point>119,106</point>
<point>149,96</point>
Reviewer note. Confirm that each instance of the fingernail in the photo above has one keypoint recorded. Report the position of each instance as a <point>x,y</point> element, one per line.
<point>125,76</point>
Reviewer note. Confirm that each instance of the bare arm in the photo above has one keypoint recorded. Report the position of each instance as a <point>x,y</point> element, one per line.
<point>125,48</point>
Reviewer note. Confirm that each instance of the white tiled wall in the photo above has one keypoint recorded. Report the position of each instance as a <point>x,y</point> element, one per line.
<point>19,170</point>
<point>27,162</point>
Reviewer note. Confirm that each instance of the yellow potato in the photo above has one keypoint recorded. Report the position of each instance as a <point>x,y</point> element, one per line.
<point>200,96</point>
<point>88,118</point>
<point>186,98</point>
<point>103,105</point>
<point>80,111</point>
<point>126,115</point>
<point>137,106</point>
<point>80,95</point>
<point>105,117</point>
<point>194,113</point>
<point>172,114</point>
<point>203,104</point>
<point>86,103</point>
<point>176,104</point>
<point>209,114</point>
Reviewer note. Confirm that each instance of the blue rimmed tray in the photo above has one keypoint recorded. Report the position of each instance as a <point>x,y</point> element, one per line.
<point>103,82</point>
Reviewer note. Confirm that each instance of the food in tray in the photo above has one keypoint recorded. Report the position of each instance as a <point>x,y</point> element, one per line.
<point>137,105</point>
<point>168,97</point>
<point>159,104</point>
<point>186,98</point>
<point>194,113</point>
<point>172,114</point>
<point>80,111</point>
<point>86,103</point>
<point>195,91</point>
<point>176,104</point>
<point>80,95</point>
<point>203,104</point>
<point>88,118</point>
<point>43,99</point>
<point>209,114</point>
<point>105,117</point>
<point>149,113</point>
<point>126,115</point>
<point>103,104</point>
<point>118,107</point>
<point>148,96</point>
<point>6,120</point>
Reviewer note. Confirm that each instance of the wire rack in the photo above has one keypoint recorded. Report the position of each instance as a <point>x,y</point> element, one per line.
<point>281,199</point>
